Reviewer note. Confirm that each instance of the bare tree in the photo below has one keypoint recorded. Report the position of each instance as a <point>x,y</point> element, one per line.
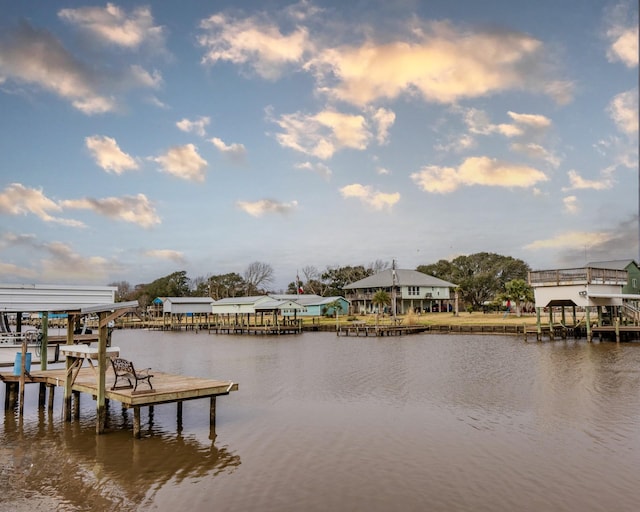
<point>257,275</point>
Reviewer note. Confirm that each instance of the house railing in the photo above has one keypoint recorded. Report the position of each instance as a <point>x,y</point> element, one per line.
<point>573,276</point>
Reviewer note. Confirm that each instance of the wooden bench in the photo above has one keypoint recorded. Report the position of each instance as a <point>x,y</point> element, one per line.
<point>124,370</point>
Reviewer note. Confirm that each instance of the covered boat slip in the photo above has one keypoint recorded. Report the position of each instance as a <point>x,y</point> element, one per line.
<point>594,299</point>
<point>75,377</point>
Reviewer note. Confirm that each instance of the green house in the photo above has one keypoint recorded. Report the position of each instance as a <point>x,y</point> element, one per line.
<point>633,272</point>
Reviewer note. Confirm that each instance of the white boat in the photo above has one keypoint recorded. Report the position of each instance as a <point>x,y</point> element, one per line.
<point>11,344</point>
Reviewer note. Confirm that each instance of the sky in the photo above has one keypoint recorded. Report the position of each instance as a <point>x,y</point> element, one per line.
<point>141,139</point>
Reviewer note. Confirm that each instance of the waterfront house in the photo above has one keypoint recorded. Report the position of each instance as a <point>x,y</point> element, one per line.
<point>631,267</point>
<point>412,290</point>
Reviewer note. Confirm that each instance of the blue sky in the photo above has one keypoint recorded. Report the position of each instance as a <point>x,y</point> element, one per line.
<point>143,138</point>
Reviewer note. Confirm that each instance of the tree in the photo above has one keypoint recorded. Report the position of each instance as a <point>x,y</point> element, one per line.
<point>337,278</point>
<point>380,299</point>
<point>480,277</point>
<point>173,285</point>
<point>257,275</point>
<point>519,291</point>
<point>225,285</point>
<point>123,292</point>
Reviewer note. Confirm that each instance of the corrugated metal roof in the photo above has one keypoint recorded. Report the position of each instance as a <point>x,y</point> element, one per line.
<point>404,277</point>
<point>308,299</point>
<point>241,300</point>
<point>611,264</point>
<point>53,298</point>
<point>189,300</point>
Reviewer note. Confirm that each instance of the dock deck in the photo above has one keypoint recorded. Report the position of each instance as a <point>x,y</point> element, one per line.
<point>167,388</point>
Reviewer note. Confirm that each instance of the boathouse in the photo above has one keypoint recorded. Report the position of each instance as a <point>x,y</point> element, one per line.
<point>412,290</point>
<point>595,291</point>
<point>316,305</point>
<point>194,310</point>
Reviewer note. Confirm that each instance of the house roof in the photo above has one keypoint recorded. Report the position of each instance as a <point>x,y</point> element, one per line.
<point>404,277</point>
<point>308,299</point>
<point>189,300</point>
<point>241,300</point>
<point>612,264</point>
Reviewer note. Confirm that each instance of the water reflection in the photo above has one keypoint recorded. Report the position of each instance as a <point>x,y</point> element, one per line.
<point>70,465</point>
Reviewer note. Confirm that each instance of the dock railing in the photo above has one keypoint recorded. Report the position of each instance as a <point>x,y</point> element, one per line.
<point>573,276</point>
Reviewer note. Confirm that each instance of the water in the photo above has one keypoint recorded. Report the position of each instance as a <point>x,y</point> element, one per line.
<point>416,423</point>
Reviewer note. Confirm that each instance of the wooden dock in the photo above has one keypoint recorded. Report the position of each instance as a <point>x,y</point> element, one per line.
<point>362,329</point>
<point>249,329</point>
<point>167,388</point>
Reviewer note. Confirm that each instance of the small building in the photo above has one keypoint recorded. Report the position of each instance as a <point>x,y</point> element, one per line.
<point>413,291</point>
<point>174,309</point>
<point>316,305</point>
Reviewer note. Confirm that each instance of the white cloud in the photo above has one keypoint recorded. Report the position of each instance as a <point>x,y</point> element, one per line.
<point>318,168</point>
<point>183,162</point>
<point>113,25</point>
<point>571,239</point>
<point>579,183</point>
<point>383,119</point>
<point>443,64</point>
<point>166,254</point>
<point>622,34</point>
<point>235,151</point>
<point>477,171</point>
<point>571,204</point>
<point>324,133</point>
<point>16,199</point>
<point>198,127</point>
<point>135,209</point>
<point>478,122</point>
<point>108,154</point>
<point>536,151</point>
<point>63,264</point>
<point>623,109</point>
<point>373,198</point>
<point>35,57</point>
<point>263,206</point>
<point>257,43</point>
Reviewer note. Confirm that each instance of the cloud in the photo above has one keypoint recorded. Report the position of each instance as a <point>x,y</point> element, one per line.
<point>112,25</point>
<point>263,206</point>
<point>442,64</point>
<point>477,171</point>
<point>324,133</point>
<point>579,183</point>
<point>183,162</point>
<point>536,151</point>
<point>35,57</point>
<point>478,122</point>
<point>135,209</point>
<point>235,152</point>
<point>623,109</point>
<point>62,264</point>
<point>108,155</point>
<point>373,198</point>
<point>16,199</point>
<point>11,270</point>
<point>622,34</point>
<point>571,239</point>
<point>571,204</point>
<point>257,43</point>
<point>166,254</point>
<point>383,120</point>
<point>318,168</point>
<point>198,127</point>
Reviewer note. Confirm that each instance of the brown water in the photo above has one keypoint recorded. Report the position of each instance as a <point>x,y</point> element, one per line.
<point>417,423</point>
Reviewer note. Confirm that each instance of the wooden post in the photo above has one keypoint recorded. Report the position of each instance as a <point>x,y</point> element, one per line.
<point>551,333</point>
<point>76,404</point>
<point>52,390</point>
<point>212,418</point>
<point>617,326</point>
<point>588,320</point>
<point>44,341</point>
<point>179,415</point>
<point>42,395</point>
<point>101,415</point>
<point>136,421</point>
<point>538,324</point>
<point>66,411</point>
<point>23,369</point>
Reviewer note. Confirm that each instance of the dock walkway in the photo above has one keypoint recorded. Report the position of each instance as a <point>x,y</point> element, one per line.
<point>167,388</point>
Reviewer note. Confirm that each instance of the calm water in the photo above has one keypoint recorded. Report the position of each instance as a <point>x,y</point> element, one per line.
<point>418,423</point>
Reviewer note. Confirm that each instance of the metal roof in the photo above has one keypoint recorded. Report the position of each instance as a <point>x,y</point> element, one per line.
<point>308,299</point>
<point>611,264</point>
<point>241,300</point>
<point>404,277</point>
<point>189,300</point>
<point>53,298</point>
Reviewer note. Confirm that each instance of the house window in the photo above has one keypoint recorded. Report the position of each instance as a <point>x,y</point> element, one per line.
<point>634,283</point>
<point>414,290</point>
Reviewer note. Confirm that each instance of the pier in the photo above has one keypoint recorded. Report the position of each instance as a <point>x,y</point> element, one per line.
<point>167,388</point>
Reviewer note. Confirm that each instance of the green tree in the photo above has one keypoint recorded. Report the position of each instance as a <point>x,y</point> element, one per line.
<point>173,285</point>
<point>480,276</point>
<point>226,285</point>
<point>380,299</point>
<point>519,291</point>
<point>336,278</point>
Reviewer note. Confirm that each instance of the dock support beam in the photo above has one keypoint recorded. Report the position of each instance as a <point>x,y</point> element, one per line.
<point>212,418</point>
<point>136,422</point>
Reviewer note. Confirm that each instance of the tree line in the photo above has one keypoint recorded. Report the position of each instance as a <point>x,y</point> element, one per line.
<point>480,278</point>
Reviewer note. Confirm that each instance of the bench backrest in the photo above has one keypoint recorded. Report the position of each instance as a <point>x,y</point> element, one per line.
<point>122,365</point>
